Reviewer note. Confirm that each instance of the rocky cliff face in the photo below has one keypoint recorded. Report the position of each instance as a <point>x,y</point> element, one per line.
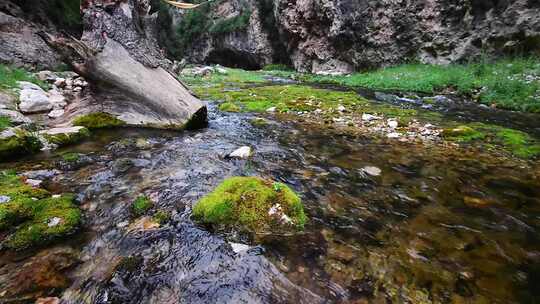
<point>345,35</point>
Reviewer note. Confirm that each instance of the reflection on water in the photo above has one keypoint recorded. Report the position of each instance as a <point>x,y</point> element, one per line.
<point>438,225</point>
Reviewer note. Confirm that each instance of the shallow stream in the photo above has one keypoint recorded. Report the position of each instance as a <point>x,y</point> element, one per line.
<point>439,224</point>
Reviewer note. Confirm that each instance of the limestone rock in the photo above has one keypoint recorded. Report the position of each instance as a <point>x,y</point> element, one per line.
<point>15,117</point>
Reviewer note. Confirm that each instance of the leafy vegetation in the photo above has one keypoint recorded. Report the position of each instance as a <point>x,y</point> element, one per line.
<point>32,216</point>
<point>66,14</point>
<point>245,202</point>
<point>141,205</point>
<point>277,67</point>
<point>10,75</point>
<point>229,25</point>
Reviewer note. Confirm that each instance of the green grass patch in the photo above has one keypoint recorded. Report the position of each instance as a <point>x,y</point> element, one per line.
<point>32,216</point>
<point>245,202</point>
<point>10,75</point>
<point>71,157</point>
<point>278,67</point>
<point>98,121</point>
<point>141,205</point>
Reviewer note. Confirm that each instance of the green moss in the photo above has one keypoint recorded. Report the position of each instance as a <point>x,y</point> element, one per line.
<point>258,122</point>
<point>161,217</point>
<point>5,123</point>
<point>71,157</point>
<point>463,134</point>
<point>67,138</point>
<point>28,216</point>
<point>229,107</point>
<point>245,202</point>
<point>23,143</point>
<point>518,143</point>
<point>141,205</point>
<point>98,121</point>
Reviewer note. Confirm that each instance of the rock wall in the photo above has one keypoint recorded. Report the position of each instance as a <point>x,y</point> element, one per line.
<point>346,35</point>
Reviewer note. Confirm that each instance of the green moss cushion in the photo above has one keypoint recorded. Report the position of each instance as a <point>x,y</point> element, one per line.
<point>251,203</point>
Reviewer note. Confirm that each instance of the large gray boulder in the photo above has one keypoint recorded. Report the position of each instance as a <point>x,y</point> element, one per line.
<point>33,99</point>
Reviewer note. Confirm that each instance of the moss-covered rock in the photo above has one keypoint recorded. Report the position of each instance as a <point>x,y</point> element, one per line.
<point>98,121</point>
<point>253,204</point>
<point>65,136</point>
<point>32,216</point>
<point>17,143</point>
<point>141,205</point>
<point>463,133</point>
<point>229,107</point>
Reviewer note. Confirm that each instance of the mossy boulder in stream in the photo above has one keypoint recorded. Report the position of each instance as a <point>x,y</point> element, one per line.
<point>65,136</point>
<point>17,142</point>
<point>251,203</point>
<point>98,121</point>
<point>32,216</point>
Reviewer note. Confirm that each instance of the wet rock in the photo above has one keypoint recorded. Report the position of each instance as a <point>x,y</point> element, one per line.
<point>242,153</point>
<point>56,113</point>
<point>122,165</point>
<point>393,135</point>
<point>15,117</point>
<point>371,170</point>
<point>65,136</point>
<point>341,108</point>
<point>15,142</point>
<point>271,110</point>
<point>33,182</point>
<point>237,248</point>
<point>143,224</point>
<point>41,174</point>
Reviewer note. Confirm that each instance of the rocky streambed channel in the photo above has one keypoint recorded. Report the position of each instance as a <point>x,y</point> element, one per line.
<point>403,205</point>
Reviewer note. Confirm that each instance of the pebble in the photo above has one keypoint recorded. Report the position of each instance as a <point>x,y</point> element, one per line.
<point>242,153</point>
<point>392,123</point>
<point>4,199</point>
<point>393,135</point>
<point>33,182</point>
<point>237,247</point>
<point>369,117</point>
<point>341,108</point>
<point>54,221</point>
<point>271,110</point>
<point>371,170</point>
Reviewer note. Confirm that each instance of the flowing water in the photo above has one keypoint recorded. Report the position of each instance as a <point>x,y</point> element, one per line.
<point>438,225</point>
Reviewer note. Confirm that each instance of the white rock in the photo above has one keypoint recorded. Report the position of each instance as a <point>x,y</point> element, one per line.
<point>341,108</point>
<point>54,221</point>
<point>65,130</point>
<point>221,71</point>
<point>56,196</point>
<point>369,117</point>
<point>371,170</point>
<point>25,85</point>
<point>237,247</point>
<point>242,152</point>
<point>392,123</point>
<point>34,101</point>
<point>56,113</point>
<point>4,199</point>
<point>57,99</point>
<point>60,82</point>
<point>33,182</point>
<point>393,135</point>
<point>271,110</point>
<point>15,116</point>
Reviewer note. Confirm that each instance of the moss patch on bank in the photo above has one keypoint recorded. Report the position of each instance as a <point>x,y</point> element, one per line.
<point>63,139</point>
<point>251,203</point>
<point>20,144</point>
<point>33,217</point>
<point>141,205</point>
<point>98,121</point>
<point>517,143</point>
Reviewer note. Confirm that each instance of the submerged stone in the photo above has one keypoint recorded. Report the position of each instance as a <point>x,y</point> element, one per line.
<point>253,204</point>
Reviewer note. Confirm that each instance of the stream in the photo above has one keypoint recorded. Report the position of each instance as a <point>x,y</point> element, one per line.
<point>437,225</point>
